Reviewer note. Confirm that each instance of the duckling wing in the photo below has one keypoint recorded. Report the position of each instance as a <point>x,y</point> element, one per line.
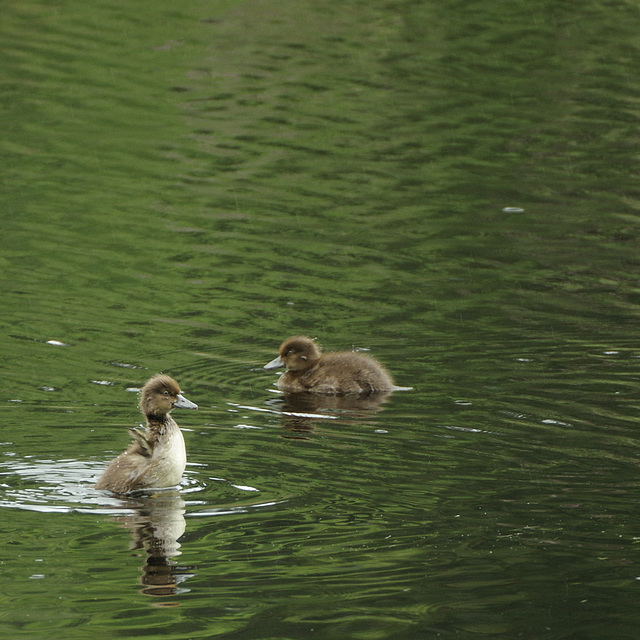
<point>141,444</point>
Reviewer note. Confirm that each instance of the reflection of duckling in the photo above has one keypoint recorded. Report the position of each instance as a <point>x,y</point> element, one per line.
<point>332,373</point>
<point>156,458</point>
<point>303,413</point>
<point>156,526</point>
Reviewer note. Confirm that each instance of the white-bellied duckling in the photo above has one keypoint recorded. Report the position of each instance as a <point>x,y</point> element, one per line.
<point>157,457</point>
<point>340,372</point>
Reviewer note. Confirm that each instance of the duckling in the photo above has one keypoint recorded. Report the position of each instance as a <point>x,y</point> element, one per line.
<point>157,457</point>
<point>336,373</point>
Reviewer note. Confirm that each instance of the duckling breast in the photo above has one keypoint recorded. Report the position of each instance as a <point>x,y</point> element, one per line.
<point>168,461</point>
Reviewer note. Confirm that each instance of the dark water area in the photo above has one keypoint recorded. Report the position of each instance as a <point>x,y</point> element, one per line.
<point>452,187</point>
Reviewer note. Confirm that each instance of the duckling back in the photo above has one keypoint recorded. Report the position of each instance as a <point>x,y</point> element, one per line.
<point>149,462</point>
<point>339,373</point>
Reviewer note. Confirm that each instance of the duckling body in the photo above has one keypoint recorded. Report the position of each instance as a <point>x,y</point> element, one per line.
<point>338,373</point>
<point>157,456</point>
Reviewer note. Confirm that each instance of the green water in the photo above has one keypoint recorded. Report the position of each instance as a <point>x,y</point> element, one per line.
<point>451,186</point>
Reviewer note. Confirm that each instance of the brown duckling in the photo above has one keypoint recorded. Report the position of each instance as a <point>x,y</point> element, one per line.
<point>156,458</point>
<point>335,373</point>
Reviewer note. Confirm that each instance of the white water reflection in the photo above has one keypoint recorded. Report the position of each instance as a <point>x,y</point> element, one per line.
<point>155,519</point>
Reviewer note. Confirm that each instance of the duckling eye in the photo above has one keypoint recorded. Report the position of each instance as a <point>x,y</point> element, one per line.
<point>165,392</point>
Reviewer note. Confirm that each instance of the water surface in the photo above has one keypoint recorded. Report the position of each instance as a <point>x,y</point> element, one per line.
<point>449,186</point>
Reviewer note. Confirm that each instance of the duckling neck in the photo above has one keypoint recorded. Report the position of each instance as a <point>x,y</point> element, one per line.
<point>305,374</point>
<point>160,422</point>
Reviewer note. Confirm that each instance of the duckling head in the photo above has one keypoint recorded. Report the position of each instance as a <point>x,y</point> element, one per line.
<point>161,394</point>
<point>296,354</point>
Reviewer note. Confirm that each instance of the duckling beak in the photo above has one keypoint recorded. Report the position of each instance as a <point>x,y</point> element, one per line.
<point>183,403</point>
<point>274,364</point>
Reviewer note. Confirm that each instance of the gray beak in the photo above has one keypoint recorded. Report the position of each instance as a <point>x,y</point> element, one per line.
<point>183,403</point>
<point>274,364</point>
